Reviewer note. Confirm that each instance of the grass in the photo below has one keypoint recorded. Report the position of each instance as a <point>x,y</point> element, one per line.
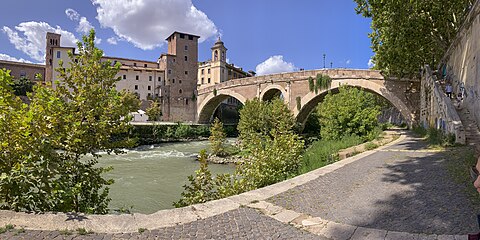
<point>459,162</point>
<point>370,146</point>
<point>436,138</point>
<point>324,152</point>
<point>142,230</point>
<point>7,228</point>
<point>65,232</point>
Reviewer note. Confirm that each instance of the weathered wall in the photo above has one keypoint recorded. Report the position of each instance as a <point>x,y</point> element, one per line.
<point>23,69</point>
<point>463,62</point>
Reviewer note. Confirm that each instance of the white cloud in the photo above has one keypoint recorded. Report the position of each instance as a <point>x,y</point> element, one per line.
<point>348,62</point>
<point>275,64</point>
<point>113,40</point>
<point>370,63</point>
<point>146,23</point>
<point>84,26</point>
<point>32,39</point>
<point>10,58</point>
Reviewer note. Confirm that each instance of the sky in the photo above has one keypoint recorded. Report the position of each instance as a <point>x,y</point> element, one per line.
<point>266,36</point>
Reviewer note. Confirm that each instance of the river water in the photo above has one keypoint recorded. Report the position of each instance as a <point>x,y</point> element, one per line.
<point>151,178</point>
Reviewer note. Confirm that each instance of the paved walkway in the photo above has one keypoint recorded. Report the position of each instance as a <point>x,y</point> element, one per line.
<point>397,192</point>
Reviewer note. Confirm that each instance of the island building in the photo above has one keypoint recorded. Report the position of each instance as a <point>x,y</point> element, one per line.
<point>172,80</point>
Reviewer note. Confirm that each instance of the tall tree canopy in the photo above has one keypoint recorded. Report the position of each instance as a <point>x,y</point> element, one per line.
<point>408,34</point>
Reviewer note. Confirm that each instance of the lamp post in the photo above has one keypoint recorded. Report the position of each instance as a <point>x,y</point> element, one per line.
<point>324,60</point>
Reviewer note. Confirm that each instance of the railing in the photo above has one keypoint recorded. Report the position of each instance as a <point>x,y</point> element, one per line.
<point>438,109</point>
<point>293,76</point>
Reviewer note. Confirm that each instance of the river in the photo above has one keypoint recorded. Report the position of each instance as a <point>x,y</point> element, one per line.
<point>151,178</point>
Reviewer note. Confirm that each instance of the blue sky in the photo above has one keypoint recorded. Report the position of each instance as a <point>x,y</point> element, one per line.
<point>267,36</point>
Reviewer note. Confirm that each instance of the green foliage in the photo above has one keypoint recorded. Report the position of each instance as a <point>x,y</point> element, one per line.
<point>154,112</point>
<point>202,131</point>
<point>311,84</point>
<point>202,185</point>
<point>408,34</point>
<point>312,125</point>
<point>350,112</point>
<point>142,230</point>
<point>214,92</point>
<point>298,100</point>
<point>272,155</point>
<point>370,146</point>
<point>324,152</point>
<point>80,117</point>
<point>322,82</point>
<point>22,86</point>
<point>217,138</point>
<point>184,131</point>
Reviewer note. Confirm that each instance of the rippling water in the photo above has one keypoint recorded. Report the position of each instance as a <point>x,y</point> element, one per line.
<point>150,178</point>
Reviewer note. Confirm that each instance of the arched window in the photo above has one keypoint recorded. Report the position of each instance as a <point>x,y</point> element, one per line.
<point>223,55</point>
<point>215,58</point>
<point>180,91</point>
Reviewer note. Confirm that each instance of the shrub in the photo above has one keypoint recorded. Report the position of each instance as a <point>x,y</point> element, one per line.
<point>184,131</point>
<point>217,138</point>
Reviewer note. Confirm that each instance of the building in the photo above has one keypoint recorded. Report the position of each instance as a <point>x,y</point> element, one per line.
<point>171,79</point>
<point>20,69</point>
<point>217,70</point>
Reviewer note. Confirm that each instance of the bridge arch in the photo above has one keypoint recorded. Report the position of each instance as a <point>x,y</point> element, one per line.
<point>311,100</point>
<point>271,91</point>
<point>208,106</point>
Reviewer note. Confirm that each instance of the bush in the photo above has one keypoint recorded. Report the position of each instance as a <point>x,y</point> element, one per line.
<point>217,138</point>
<point>350,112</point>
<point>202,131</point>
<point>184,131</point>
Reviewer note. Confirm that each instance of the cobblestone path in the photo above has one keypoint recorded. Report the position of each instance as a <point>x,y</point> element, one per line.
<point>395,191</point>
<point>401,188</point>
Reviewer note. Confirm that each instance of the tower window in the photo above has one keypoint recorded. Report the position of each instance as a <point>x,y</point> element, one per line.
<point>208,80</point>
<point>173,80</point>
<point>124,76</point>
<point>136,87</point>
<point>190,37</point>
<point>136,77</point>
<point>182,35</point>
<point>159,79</point>
<point>215,55</point>
<point>179,81</point>
<point>186,58</point>
<point>58,54</point>
<point>186,47</point>
<point>202,81</point>
<point>186,101</point>
<point>149,78</point>
<point>145,65</point>
<point>169,71</point>
<point>134,64</point>
<point>149,88</point>
<point>186,72</point>
<point>203,71</point>
<point>180,91</point>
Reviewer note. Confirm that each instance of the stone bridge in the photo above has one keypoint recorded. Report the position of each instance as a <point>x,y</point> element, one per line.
<point>294,87</point>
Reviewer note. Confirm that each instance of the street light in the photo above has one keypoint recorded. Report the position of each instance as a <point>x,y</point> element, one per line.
<point>324,60</point>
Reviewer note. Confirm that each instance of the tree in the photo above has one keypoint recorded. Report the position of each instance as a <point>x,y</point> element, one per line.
<point>217,138</point>
<point>408,34</point>
<point>154,112</point>
<point>22,86</point>
<point>84,114</point>
<point>350,112</point>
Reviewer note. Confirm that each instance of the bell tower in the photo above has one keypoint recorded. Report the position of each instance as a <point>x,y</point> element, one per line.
<point>52,40</point>
<point>219,52</point>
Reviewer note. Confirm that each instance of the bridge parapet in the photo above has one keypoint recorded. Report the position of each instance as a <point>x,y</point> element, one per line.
<point>292,76</point>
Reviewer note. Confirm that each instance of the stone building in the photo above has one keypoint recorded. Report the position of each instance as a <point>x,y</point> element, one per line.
<point>217,70</point>
<point>171,79</point>
<point>20,69</point>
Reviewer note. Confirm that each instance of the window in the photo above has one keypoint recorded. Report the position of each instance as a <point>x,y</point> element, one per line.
<point>173,80</point>
<point>169,71</point>
<point>190,37</point>
<point>208,80</point>
<point>136,87</point>
<point>215,55</point>
<point>179,81</point>
<point>145,65</point>
<point>202,81</point>
<point>186,47</point>
<point>149,95</point>
<point>149,88</point>
<point>208,70</point>
<point>229,72</point>
<point>186,72</point>
<point>203,71</point>
<point>186,58</point>
<point>182,35</point>
<point>150,78</point>
<point>174,60</point>
<point>186,101</point>
<point>180,91</point>
<point>136,77</point>
<point>58,54</point>
<point>159,79</point>
<point>124,76</point>
<point>223,70</point>
<point>234,75</point>
<point>23,74</point>
<point>135,64</point>
<point>50,61</point>
<point>223,55</point>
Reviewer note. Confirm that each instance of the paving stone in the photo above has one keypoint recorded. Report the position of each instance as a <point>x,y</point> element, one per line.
<point>401,188</point>
<point>368,233</point>
<point>335,231</point>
